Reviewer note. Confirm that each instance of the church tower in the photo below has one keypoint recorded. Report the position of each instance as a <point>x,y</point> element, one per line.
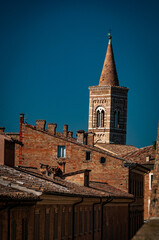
<point>108,104</point>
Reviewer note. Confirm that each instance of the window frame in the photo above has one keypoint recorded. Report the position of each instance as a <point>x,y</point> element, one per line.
<point>88,152</point>
<point>150,180</point>
<point>100,115</point>
<point>61,151</point>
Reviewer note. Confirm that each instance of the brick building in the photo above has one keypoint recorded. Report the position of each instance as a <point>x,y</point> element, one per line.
<point>36,207</point>
<point>146,157</point>
<point>150,230</point>
<point>98,150</point>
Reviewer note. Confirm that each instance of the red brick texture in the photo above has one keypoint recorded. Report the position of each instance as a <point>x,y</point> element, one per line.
<point>40,147</point>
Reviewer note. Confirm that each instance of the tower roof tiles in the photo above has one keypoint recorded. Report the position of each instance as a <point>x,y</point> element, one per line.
<point>109,75</point>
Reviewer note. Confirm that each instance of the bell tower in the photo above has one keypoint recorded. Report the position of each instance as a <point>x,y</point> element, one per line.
<point>108,104</point>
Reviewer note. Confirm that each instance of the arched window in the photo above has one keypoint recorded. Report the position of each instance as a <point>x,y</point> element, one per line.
<point>100,116</point>
<point>116,119</point>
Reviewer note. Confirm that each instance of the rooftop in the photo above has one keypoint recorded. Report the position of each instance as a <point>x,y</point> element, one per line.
<point>16,183</point>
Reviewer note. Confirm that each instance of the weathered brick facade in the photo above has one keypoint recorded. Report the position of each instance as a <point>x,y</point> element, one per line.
<point>42,147</point>
<point>108,105</point>
<point>112,100</point>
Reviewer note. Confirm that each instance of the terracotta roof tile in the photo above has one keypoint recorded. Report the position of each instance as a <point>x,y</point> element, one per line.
<point>139,155</point>
<point>117,149</point>
<point>36,184</point>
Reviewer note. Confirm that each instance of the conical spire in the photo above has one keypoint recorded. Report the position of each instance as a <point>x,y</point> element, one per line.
<point>109,75</point>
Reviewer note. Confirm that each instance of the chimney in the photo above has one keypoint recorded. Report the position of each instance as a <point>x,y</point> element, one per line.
<point>2,129</point>
<point>80,136</point>
<point>21,137</point>
<point>86,178</point>
<point>65,130</point>
<point>40,125</point>
<point>90,139</point>
<point>70,134</point>
<point>52,128</point>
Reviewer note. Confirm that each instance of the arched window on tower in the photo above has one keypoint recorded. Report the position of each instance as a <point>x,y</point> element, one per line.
<point>100,116</point>
<point>116,119</point>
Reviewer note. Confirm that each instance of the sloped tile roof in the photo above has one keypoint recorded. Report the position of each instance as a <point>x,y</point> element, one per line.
<point>34,183</point>
<point>117,149</point>
<point>139,155</point>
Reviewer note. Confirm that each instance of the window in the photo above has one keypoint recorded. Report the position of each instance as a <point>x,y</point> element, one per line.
<point>102,160</point>
<point>88,155</point>
<point>150,180</point>
<point>116,119</point>
<point>61,152</point>
<point>100,116</point>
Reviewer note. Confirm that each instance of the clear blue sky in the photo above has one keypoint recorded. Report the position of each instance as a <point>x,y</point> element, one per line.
<point>52,51</point>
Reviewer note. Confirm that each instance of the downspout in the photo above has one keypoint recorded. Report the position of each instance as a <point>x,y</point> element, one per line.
<point>103,204</point>
<point>93,216</point>
<point>9,208</point>
<point>73,215</point>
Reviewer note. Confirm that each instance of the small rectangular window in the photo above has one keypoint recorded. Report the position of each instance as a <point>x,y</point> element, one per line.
<point>61,152</point>
<point>88,155</point>
<point>150,180</point>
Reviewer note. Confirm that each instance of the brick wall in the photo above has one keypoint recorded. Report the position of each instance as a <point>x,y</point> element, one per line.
<point>40,147</point>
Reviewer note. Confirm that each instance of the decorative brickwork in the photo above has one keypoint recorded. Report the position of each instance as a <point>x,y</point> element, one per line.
<point>108,105</point>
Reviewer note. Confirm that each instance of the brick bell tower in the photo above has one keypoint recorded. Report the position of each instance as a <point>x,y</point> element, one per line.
<point>108,104</point>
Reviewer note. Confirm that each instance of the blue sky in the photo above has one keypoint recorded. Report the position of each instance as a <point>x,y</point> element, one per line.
<point>52,51</point>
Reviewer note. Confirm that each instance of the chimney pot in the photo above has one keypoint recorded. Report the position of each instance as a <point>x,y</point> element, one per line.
<point>52,128</point>
<point>65,130</point>
<point>80,136</point>
<point>2,129</point>
<point>90,139</point>
<point>70,134</point>
<point>40,125</point>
